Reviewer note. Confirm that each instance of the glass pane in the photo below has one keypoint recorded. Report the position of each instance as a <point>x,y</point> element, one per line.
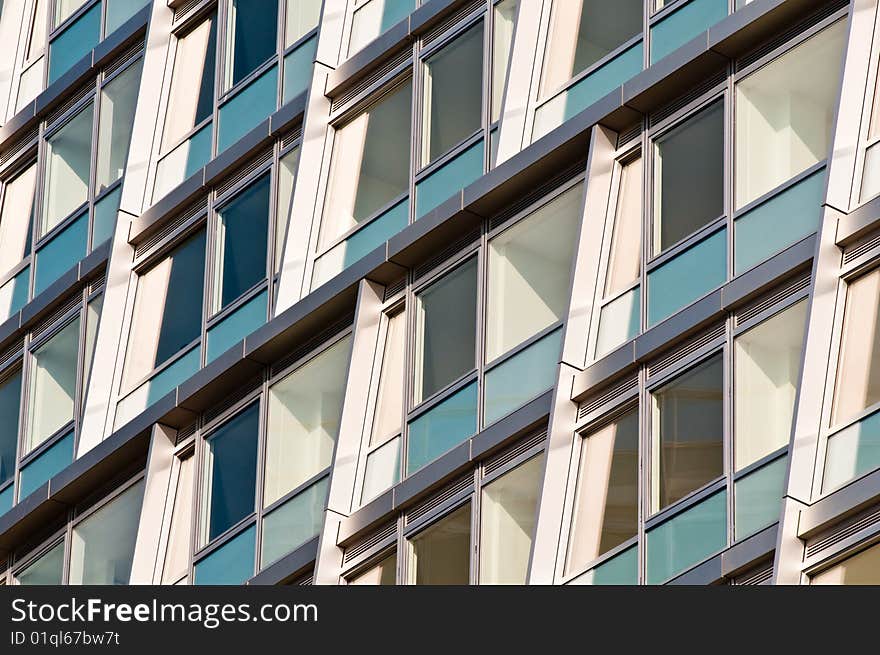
<point>16,219</point>
<point>441,554</point>
<point>449,179</point>
<point>382,470</point>
<point>302,17</point>
<point>75,42</point>
<point>193,62</point>
<point>236,326</point>
<point>178,546</point>
<point>606,510</point>
<point>687,539</point>
<point>389,396</point>
<point>118,100</point>
<point>766,371</point>
<point>442,427</point>
<point>93,315</point>
<point>530,273</point>
<point>102,546</point>
<point>689,177</point>
<point>167,309</point>
<point>119,11</point>
<point>504,19</point>
<point>49,463</point>
<point>624,258</point>
<point>861,569</point>
<point>37,39</point>
<point>453,94</point>
<point>871,173</point>
<point>622,569</point>
<point>852,452</point>
<point>104,224</point>
<point>446,324</point>
<point>68,164</point>
<point>684,24</point>
<point>182,162</point>
<point>295,522</point>
<point>370,164</point>
<point>619,321</point>
<point>14,294</point>
<point>287,169</point>
<point>252,30</point>
<point>508,516</point>
<point>784,114</point>
<point>231,564</point>
<point>304,413</point>
<point>582,33</point>
<point>240,243</point>
<point>158,386</point>
<point>298,70</point>
<point>232,471</point>
<point>383,573</point>
<point>374,17</point>
<point>48,570</point>
<point>29,84</point>
<point>64,9</point>
<point>758,498</point>
<point>688,433</point>
<point>61,253</point>
<point>10,398</point>
<point>247,108</point>
<point>53,385</point>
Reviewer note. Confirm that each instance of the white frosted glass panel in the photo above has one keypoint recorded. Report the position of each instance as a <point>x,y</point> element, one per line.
<point>29,84</point>
<point>382,470</point>
<point>504,26</point>
<point>302,18</point>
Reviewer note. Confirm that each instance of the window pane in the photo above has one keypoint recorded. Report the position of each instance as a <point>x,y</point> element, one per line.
<point>689,177</point>
<point>508,516</point>
<point>686,21</point>
<point>383,573</point>
<point>446,330</point>
<point>530,273</point>
<point>295,522</point>
<point>861,569</point>
<point>304,413</point>
<point>37,39</point>
<point>288,166</point>
<point>441,554</point>
<point>441,428</point>
<point>852,452</point>
<point>252,31</point>
<point>47,464</point>
<point>506,13</point>
<point>619,321</point>
<point>191,98</point>
<point>16,218</point>
<point>622,569</point>
<point>453,94</point>
<point>232,563</point>
<point>53,385</point>
<point>624,259</point>
<point>183,161</point>
<point>29,84</point>
<point>65,8</point>
<point>119,11</point>
<point>10,397</point>
<point>302,18</point>
<point>446,181</point>
<point>688,433</point>
<point>104,221</point>
<point>62,252</point>
<point>167,309</point>
<point>298,66</point>
<point>382,470</point>
<point>582,33</point>
<point>370,164</point>
<point>784,114</point>
<point>242,235</point>
<point>236,325</point>
<point>118,100</point>
<point>75,42</point>
<point>48,570</point>
<point>247,108</point>
<point>93,315</point>
<point>178,546</point>
<point>758,498</point>
<point>102,546</point>
<point>606,510</point>
<point>374,17</point>
<point>232,471</point>
<point>68,164</point>
<point>766,371</point>
<point>389,397</point>
<point>858,368</point>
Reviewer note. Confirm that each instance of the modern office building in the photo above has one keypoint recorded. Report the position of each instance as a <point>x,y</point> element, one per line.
<point>439,292</point>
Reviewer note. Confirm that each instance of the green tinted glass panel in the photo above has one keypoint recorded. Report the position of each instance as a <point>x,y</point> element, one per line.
<point>14,294</point>
<point>450,178</point>
<point>61,253</point>
<point>49,463</point>
<point>298,69</point>
<point>119,11</point>
<point>75,42</point>
<point>622,569</point>
<point>294,523</point>
<point>442,427</point>
<point>852,452</point>
<point>236,326</point>
<point>231,564</point>
<point>105,217</point>
<point>684,24</point>
<point>247,108</point>
<point>758,498</point>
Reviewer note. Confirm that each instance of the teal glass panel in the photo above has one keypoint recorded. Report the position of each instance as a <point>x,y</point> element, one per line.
<point>758,498</point>
<point>231,564</point>
<point>182,162</point>
<point>119,11</point>
<point>619,321</point>
<point>294,523</point>
<point>687,277</point>
<point>780,221</point>
<point>6,499</point>
<point>590,89</point>
<point>105,217</point>
<point>62,253</point>
<point>172,376</point>
<point>442,427</point>
<point>49,463</point>
<point>247,108</point>
<point>361,243</point>
<point>852,452</point>
<point>687,539</point>
<point>14,294</point>
<point>449,179</point>
<point>298,69</point>
<point>684,24</point>
<point>522,377</point>
<point>622,569</point>
<point>373,18</point>
<point>75,42</point>
<point>236,326</point>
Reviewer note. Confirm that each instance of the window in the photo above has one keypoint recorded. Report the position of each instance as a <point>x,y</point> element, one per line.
<point>16,219</point>
<point>68,167</point>
<point>302,16</point>
<point>688,429</point>
<point>784,114</point>
<point>10,397</point>
<point>287,170</point>
<point>505,17</point>
<point>383,573</point>
<point>373,17</point>
<point>860,569</point>
<point>582,33</point>
<point>176,560</point>
<point>118,99</point>
<point>47,570</point>
<point>441,554</point>
<point>606,510</point>
<point>252,29</point>
<point>65,8</point>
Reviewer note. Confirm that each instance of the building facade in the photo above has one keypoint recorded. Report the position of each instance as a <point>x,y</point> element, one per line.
<point>439,292</point>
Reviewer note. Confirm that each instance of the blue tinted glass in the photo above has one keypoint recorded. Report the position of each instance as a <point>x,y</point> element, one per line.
<point>198,150</point>
<point>62,253</point>
<point>758,498</point>
<point>687,277</point>
<point>294,523</point>
<point>684,24</point>
<point>779,222</point>
<point>49,463</point>
<point>6,497</point>
<point>182,314</point>
<point>170,377</point>
<point>394,11</point>
<point>247,108</point>
<point>298,69</point>
<point>254,31</point>
<point>622,569</point>
<point>236,326</point>
<point>852,452</point>
<point>14,294</point>
<point>442,427</point>
<point>75,42</point>
<point>449,179</point>
<point>10,399</point>
<point>233,470</point>
<point>687,539</point>
<point>105,217</point>
<point>231,564</point>
<point>119,11</point>
<point>522,377</point>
